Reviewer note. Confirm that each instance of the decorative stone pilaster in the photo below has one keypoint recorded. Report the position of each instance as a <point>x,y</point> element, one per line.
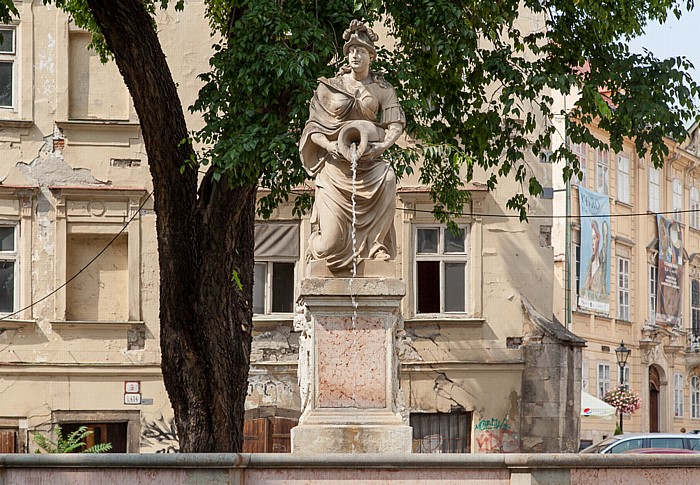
<point>349,367</point>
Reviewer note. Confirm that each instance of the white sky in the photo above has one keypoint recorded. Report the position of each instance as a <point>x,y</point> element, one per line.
<point>674,38</point>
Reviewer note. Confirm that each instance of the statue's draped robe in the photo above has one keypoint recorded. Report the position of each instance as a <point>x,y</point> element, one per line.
<point>332,106</point>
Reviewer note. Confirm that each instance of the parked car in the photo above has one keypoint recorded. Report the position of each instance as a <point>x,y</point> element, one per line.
<point>663,451</point>
<point>622,443</point>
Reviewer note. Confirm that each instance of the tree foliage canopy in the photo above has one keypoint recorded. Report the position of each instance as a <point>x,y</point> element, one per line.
<point>477,83</point>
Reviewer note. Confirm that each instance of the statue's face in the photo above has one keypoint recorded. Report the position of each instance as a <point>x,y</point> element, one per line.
<point>359,58</point>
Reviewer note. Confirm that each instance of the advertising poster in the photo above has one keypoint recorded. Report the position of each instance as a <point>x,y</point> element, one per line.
<point>669,295</point>
<point>594,276</point>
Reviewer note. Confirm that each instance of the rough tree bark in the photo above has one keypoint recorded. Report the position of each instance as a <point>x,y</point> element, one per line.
<point>203,236</point>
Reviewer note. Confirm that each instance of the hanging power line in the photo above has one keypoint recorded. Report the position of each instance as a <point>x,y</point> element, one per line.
<point>456,214</point>
<point>54,291</point>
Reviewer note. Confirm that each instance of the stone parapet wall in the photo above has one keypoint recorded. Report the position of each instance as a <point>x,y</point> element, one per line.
<point>254,469</point>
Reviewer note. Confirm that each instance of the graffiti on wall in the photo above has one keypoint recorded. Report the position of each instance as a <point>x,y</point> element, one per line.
<point>496,436</point>
<point>160,435</point>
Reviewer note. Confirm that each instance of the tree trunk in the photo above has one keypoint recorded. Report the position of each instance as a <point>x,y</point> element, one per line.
<point>205,317</point>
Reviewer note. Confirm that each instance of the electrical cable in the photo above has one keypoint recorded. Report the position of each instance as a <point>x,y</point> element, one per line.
<point>472,214</point>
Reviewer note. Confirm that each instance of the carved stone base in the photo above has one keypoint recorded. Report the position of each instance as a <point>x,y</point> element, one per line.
<point>351,371</point>
<point>329,438</point>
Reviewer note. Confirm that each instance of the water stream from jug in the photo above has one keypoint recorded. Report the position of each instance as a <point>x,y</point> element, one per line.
<point>353,167</point>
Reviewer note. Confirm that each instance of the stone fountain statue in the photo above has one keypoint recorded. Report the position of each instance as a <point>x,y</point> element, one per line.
<point>348,365</point>
<point>357,107</point>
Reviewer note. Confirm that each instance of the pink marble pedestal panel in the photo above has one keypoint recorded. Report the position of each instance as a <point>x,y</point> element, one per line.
<point>351,362</point>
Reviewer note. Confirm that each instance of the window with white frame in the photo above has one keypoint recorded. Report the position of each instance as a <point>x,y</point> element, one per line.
<point>8,268</point>
<point>694,307</point>
<point>580,150</point>
<point>276,255</point>
<point>654,189</point>
<point>7,66</point>
<point>677,200</point>
<point>602,171</point>
<point>584,375</point>
<point>441,270</point>
<point>623,179</point>
<point>603,379</point>
<point>626,376</point>
<point>678,395</point>
<point>653,282</point>
<point>694,207</point>
<point>623,289</point>
<point>695,397</point>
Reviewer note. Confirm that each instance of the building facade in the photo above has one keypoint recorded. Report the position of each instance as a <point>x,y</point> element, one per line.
<point>653,291</point>
<point>485,365</point>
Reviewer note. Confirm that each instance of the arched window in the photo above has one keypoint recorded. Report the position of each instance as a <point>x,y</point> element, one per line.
<point>695,397</point>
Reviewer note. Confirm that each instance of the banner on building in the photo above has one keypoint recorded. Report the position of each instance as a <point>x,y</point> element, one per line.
<point>594,276</point>
<point>669,294</point>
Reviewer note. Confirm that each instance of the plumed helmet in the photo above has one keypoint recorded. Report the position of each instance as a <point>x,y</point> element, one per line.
<point>359,34</point>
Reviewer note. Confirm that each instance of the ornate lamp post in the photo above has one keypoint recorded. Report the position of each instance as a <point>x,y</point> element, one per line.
<point>622,353</point>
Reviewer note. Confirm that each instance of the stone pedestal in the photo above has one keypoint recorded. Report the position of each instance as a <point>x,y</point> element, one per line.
<point>348,368</point>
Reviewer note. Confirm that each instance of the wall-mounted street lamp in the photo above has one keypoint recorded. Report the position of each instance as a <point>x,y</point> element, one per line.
<point>622,353</point>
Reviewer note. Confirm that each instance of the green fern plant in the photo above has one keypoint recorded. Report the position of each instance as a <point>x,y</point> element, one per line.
<point>70,443</point>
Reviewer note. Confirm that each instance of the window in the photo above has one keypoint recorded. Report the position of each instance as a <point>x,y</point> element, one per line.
<point>441,270</point>
<point>677,200</point>
<point>276,254</point>
<point>443,432</point>
<point>623,179</point>
<point>695,307</point>
<point>603,379</point>
<point>666,443</point>
<point>694,207</point>
<point>580,150</point>
<point>112,433</point>
<point>695,397</point>
<point>623,289</point>
<point>653,281</point>
<point>577,272</point>
<point>627,445</point>
<point>8,268</point>
<point>7,66</point>
<point>626,376</point>
<point>602,174</point>
<point>584,376</point>
<point>273,288</point>
<point>678,395</point>
<point>654,189</point>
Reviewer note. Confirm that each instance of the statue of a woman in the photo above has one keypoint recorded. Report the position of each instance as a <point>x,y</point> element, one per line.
<point>356,106</point>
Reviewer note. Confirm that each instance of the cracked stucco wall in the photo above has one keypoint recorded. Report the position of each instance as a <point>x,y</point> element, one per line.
<point>45,366</point>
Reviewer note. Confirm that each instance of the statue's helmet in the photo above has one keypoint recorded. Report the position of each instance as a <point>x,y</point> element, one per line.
<point>360,35</point>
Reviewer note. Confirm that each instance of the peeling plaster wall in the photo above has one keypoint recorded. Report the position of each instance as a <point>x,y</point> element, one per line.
<point>46,142</point>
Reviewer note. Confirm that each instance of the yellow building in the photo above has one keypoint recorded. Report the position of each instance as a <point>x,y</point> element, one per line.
<point>663,364</point>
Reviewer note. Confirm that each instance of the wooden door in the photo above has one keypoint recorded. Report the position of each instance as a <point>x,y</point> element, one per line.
<point>281,436</point>
<point>256,435</point>
<point>8,441</point>
<point>654,388</point>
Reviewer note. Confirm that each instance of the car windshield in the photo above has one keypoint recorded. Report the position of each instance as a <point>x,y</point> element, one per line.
<point>598,447</point>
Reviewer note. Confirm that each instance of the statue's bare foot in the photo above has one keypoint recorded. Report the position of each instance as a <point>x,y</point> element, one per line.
<point>381,255</point>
